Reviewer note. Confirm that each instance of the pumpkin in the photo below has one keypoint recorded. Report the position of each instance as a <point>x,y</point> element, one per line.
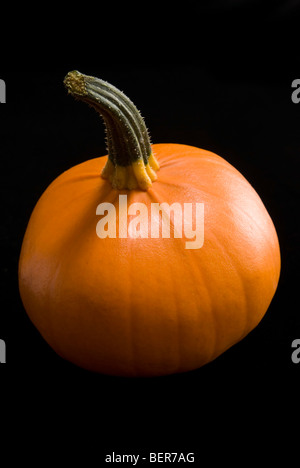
<point>117,272</point>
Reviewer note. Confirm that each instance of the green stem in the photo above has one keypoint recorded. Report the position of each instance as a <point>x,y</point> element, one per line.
<point>131,163</point>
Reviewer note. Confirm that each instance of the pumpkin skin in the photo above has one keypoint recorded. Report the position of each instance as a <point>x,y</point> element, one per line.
<point>144,306</point>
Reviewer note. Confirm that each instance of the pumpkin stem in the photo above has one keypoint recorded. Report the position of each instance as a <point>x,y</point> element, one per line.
<point>131,163</point>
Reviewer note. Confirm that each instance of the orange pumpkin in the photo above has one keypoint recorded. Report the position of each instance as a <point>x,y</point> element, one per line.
<point>107,290</point>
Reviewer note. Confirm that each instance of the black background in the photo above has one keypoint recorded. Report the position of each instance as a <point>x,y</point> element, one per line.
<point>218,77</point>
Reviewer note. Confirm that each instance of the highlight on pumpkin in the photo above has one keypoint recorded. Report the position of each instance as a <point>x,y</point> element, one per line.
<point>131,163</point>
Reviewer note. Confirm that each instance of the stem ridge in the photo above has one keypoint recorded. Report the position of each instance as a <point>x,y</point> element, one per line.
<point>131,163</point>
